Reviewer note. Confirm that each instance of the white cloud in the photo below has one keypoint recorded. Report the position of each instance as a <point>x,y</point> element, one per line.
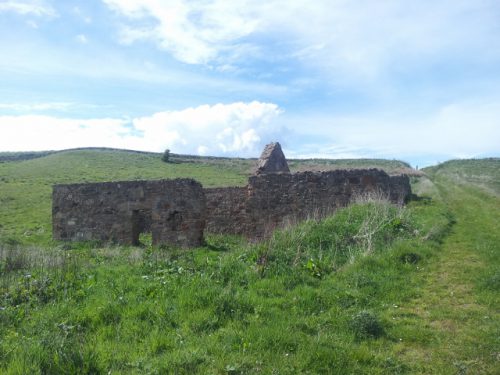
<point>241,129</point>
<point>81,38</point>
<point>31,107</point>
<point>28,7</point>
<point>345,39</point>
<point>194,32</point>
<point>38,132</point>
<point>222,129</point>
<point>456,130</point>
<point>82,15</point>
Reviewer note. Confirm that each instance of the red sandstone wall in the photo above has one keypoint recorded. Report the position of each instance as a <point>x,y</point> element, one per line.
<point>174,210</point>
<point>226,210</point>
<point>272,201</point>
<point>178,211</point>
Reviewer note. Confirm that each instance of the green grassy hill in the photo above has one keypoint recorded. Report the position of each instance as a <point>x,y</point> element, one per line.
<point>374,289</point>
<point>483,173</point>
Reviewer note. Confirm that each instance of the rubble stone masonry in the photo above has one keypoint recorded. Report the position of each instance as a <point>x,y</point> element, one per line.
<point>172,210</point>
<point>177,212</point>
<point>271,201</point>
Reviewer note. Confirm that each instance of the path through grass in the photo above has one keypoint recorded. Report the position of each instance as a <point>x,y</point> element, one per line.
<point>459,303</point>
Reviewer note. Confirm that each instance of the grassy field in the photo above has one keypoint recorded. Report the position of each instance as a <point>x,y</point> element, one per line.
<point>374,289</point>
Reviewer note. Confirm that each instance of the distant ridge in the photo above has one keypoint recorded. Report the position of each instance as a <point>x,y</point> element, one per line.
<point>392,166</point>
<point>6,156</point>
<point>27,155</point>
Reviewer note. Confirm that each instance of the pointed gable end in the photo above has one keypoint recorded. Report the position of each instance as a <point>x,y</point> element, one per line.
<point>272,160</point>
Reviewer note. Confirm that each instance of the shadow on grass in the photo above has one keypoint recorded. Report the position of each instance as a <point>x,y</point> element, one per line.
<point>217,247</point>
<point>417,198</point>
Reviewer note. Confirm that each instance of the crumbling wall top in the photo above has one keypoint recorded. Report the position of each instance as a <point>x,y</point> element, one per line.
<point>272,160</point>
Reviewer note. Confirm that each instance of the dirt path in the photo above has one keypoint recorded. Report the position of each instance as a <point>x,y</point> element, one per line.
<point>457,309</point>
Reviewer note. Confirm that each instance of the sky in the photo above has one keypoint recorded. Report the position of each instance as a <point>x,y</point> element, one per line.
<point>414,80</point>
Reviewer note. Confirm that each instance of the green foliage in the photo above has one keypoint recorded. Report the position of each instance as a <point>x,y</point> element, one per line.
<point>483,173</point>
<point>410,258</point>
<point>325,246</point>
<point>215,309</point>
<point>492,282</point>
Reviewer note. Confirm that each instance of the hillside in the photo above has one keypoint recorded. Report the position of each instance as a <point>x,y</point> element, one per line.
<point>483,173</point>
<point>374,289</point>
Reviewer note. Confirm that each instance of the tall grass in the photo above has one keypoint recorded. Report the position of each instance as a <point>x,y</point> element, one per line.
<point>321,247</point>
<point>310,299</point>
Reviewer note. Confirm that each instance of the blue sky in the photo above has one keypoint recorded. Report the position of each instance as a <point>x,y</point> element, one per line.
<point>411,80</point>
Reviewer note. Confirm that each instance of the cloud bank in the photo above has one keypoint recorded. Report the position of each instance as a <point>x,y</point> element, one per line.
<point>460,130</point>
<point>28,7</point>
<point>361,39</point>
<point>223,129</point>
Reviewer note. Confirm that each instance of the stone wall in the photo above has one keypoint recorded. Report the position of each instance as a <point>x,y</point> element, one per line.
<point>173,210</point>
<point>226,210</point>
<point>178,211</point>
<point>274,200</point>
<point>400,190</point>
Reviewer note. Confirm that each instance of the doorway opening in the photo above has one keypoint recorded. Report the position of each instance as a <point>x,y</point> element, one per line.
<point>141,228</point>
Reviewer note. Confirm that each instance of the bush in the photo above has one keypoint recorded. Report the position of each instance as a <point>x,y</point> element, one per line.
<point>366,324</point>
<point>410,258</point>
<point>321,247</point>
<point>166,156</point>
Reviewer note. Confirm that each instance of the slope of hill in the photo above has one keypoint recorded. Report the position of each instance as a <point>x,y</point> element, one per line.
<point>374,289</point>
<point>483,173</point>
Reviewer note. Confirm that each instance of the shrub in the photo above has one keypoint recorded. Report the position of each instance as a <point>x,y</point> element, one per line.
<point>166,156</point>
<point>410,258</point>
<point>492,282</point>
<point>366,324</point>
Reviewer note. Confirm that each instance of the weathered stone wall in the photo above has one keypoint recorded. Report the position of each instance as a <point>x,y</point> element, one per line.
<point>226,210</point>
<point>178,211</point>
<point>279,199</point>
<point>272,200</point>
<point>173,210</point>
<point>400,189</point>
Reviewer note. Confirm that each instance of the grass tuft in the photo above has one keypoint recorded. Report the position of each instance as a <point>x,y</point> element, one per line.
<point>366,324</point>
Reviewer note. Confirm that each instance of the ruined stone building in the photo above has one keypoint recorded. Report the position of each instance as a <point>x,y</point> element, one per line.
<point>173,211</point>
<point>178,212</point>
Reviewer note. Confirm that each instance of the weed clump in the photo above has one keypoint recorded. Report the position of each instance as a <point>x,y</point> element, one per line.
<point>410,258</point>
<point>366,324</point>
<point>492,282</point>
<point>319,248</point>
